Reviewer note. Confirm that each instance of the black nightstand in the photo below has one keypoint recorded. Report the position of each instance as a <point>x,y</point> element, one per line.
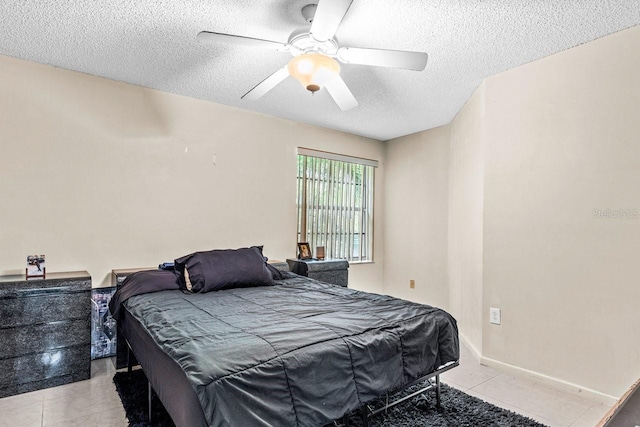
<point>334,271</point>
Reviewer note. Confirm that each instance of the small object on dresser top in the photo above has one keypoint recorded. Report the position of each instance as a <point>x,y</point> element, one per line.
<point>167,266</point>
<point>35,267</point>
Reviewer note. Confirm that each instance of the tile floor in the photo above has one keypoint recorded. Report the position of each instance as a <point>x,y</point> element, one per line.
<point>549,406</point>
<point>95,402</point>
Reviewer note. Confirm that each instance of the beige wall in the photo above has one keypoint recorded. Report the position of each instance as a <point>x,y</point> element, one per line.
<point>434,183</point>
<point>466,190</point>
<point>563,140</point>
<point>415,227</point>
<point>98,175</point>
<point>531,155</point>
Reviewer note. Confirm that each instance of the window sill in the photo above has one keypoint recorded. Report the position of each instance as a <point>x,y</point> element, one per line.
<point>361,262</point>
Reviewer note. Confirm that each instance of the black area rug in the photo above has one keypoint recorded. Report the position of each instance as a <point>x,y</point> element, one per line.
<point>458,409</point>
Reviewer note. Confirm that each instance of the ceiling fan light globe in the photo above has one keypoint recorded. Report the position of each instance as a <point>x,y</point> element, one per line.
<point>313,70</point>
<point>324,75</point>
<point>305,66</point>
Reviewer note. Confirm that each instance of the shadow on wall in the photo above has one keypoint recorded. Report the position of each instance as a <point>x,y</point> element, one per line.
<point>100,106</point>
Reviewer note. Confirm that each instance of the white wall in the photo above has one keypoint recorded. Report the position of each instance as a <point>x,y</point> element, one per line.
<point>98,175</point>
<point>415,228</point>
<point>563,140</point>
<point>434,183</point>
<point>531,155</point>
<point>466,191</point>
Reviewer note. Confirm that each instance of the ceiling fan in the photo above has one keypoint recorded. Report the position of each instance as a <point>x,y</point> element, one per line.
<point>315,51</point>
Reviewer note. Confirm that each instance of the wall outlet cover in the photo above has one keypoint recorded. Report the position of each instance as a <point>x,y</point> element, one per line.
<point>494,316</point>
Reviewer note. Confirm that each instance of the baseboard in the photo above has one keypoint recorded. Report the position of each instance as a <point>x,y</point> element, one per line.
<point>556,383</point>
<point>474,351</point>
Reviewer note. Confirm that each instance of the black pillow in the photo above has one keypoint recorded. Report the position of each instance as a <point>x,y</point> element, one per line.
<point>223,269</point>
<point>142,282</point>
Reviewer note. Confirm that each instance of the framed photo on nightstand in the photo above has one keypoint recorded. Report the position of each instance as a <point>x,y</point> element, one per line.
<point>304,250</point>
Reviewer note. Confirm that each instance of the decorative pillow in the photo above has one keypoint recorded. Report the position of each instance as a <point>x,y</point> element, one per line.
<point>223,269</point>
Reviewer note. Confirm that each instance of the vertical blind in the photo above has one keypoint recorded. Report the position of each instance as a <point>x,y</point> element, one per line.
<point>335,204</point>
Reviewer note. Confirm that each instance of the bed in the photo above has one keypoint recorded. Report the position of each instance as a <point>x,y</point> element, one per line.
<point>295,353</point>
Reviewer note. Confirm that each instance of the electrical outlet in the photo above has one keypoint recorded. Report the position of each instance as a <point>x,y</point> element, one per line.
<point>494,316</point>
<point>412,284</point>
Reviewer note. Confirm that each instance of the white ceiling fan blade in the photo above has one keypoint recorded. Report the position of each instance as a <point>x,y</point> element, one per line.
<point>384,58</point>
<point>210,37</point>
<point>328,17</point>
<point>267,84</point>
<point>340,93</point>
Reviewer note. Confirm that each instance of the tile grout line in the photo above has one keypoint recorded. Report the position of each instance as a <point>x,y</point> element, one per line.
<point>487,380</point>
<point>517,406</point>
<point>42,413</point>
<point>580,416</point>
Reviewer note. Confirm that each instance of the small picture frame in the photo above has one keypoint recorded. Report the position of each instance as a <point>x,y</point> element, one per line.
<point>35,267</point>
<point>304,250</point>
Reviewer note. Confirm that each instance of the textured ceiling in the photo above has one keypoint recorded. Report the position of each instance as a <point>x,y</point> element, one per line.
<point>153,43</point>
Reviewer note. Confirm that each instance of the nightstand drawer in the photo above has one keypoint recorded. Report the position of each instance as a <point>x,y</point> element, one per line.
<point>334,271</point>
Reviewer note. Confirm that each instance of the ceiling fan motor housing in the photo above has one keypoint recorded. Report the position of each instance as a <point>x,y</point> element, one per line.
<point>308,12</point>
<point>304,42</point>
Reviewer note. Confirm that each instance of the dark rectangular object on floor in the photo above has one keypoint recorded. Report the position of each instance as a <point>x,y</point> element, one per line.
<point>103,326</point>
<point>45,331</point>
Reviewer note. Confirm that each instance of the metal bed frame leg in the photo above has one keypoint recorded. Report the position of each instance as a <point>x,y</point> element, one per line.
<point>433,379</point>
<point>129,359</point>
<point>365,416</point>
<point>150,393</point>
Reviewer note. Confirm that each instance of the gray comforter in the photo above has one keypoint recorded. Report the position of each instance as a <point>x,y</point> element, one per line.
<point>300,353</point>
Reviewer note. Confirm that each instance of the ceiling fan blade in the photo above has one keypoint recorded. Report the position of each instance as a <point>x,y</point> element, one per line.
<point>384,58</point>
<point>267,84</point>
<point>328,17</point>
<point>208,36</point>
<point>341,94</point>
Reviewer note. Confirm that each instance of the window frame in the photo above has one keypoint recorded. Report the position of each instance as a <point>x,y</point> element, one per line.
<point>349,235</point>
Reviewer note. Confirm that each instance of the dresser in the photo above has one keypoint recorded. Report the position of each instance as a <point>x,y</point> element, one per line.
<point>45,331</point>
<point>334,271</point>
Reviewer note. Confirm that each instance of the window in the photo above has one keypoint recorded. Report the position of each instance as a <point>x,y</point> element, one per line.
<point>335,204</point>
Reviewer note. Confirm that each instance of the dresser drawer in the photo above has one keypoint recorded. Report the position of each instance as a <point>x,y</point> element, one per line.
<point>47,369</point>
<point>43,337</point>
<point>44,308</point>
